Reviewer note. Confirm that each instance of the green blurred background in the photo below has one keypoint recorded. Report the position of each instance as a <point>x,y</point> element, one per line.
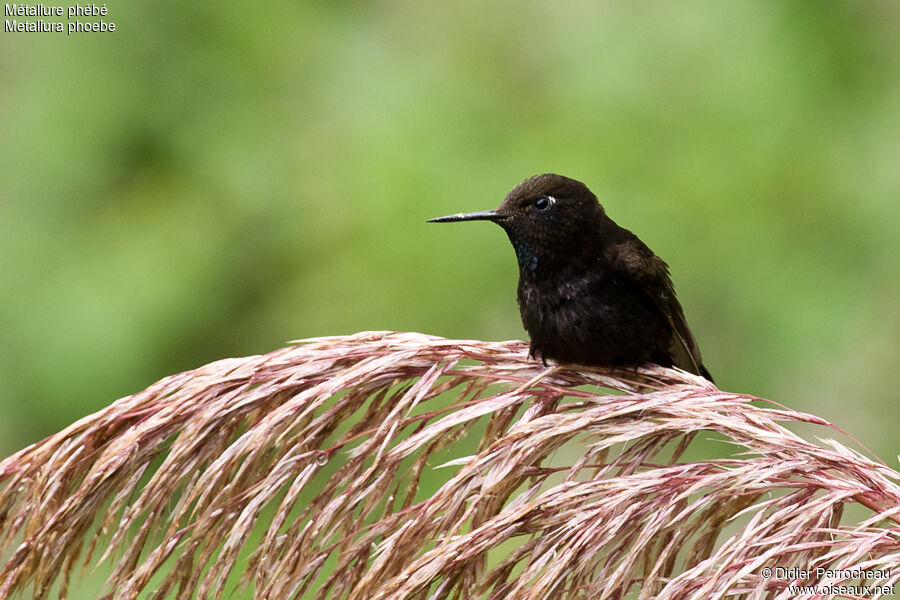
<point>214,179</point>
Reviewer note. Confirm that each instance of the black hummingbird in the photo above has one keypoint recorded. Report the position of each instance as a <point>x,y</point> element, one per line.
<point>590,292</point>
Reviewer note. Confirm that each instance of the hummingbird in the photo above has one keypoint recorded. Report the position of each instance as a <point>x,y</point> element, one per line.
<point>590,292</point>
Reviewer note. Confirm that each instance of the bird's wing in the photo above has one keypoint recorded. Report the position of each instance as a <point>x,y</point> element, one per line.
<point>636,259</point>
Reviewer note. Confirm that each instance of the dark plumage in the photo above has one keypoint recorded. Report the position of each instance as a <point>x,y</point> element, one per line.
<point>590,292</point>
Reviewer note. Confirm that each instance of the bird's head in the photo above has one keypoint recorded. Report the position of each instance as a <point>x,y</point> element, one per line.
<point>545,216</point>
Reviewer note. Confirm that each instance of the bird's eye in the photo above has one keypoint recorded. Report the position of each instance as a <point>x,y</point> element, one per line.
<point>543,203</point>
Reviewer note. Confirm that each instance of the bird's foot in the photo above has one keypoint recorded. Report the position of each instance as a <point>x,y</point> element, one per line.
<point>537,354</point>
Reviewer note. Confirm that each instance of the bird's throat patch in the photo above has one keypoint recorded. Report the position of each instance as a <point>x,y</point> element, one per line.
<point>528,260</point>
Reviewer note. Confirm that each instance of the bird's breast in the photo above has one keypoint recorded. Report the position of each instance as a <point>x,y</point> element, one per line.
<point>591,319</point>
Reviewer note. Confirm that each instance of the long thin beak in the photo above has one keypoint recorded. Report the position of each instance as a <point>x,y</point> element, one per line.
<point>484,215</point>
